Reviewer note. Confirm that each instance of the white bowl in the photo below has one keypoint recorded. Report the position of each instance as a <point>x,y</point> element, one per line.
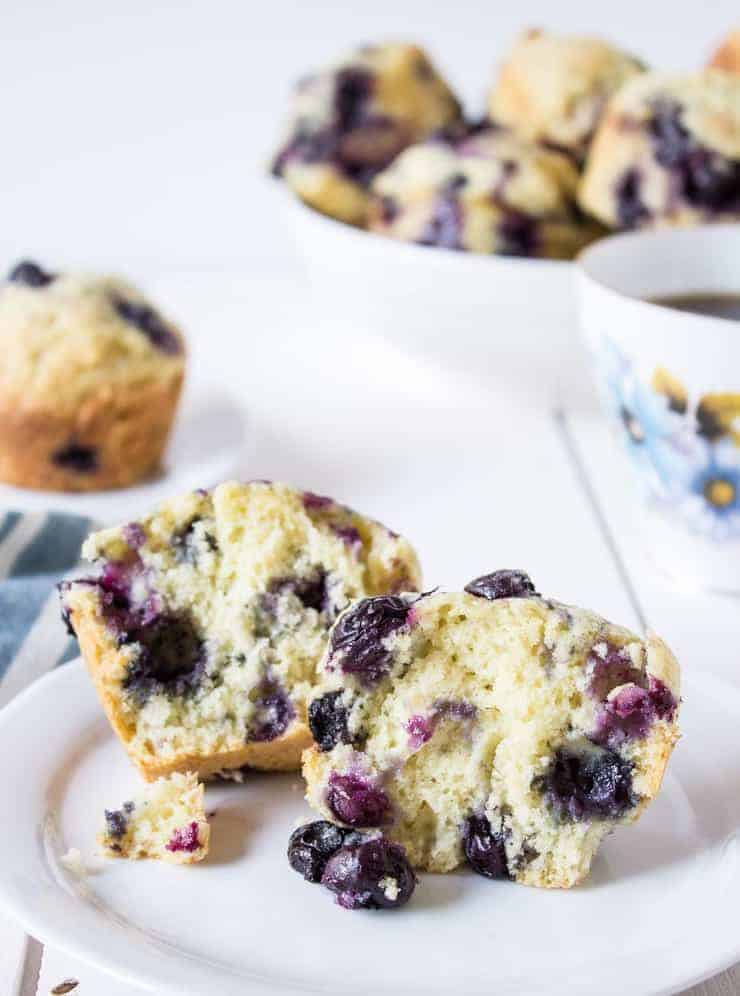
<point>509,322</point>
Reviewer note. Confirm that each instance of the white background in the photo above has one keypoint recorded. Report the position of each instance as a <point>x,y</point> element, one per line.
<point>137,131</point>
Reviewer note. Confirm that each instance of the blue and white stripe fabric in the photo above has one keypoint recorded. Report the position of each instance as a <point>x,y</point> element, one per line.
<point>36,551</point>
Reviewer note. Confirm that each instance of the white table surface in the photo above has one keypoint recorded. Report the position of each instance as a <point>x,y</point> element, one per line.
<point>563,505</point>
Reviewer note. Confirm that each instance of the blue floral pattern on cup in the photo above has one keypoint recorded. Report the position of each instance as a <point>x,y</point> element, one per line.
<point>687,455</point>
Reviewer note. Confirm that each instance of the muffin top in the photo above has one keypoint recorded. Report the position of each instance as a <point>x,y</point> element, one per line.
<point>727,56</point>
<point>553,88</point>
<point>361,110</point>
<point>491,166</point>
<point>68,337</point>
<point>707,104</point>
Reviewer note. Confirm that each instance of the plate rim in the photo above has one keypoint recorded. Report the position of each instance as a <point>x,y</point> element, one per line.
<point>108,964</point>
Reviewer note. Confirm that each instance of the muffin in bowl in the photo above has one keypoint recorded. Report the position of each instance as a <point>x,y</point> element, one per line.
<point>489,193</point>
<point>667,153</point>
<point>350,120</point>
<point>89,383</point>
<point>553,89</point>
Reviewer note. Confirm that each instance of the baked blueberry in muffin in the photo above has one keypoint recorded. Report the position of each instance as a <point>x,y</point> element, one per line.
<point>553,88</point>
<point>667,153</point>
<point>490,727</point>
<point>491,192</point>
<point>202,624</point>
<point>350,120</point>
<point>89,381</point>
<point>166,821</point>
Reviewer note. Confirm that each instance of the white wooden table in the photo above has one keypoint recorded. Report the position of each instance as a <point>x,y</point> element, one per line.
<point>561,504</point>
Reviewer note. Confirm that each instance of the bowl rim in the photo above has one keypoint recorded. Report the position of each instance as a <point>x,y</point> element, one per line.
<point>434,255</point>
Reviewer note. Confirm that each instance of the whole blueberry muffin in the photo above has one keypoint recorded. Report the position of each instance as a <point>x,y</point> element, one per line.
<point>166,821</point>
<point>489,193</point>
<point>350,120</point>
<point>553,89</point>
<point>203,624</point>
<point>667,153</point>
<point>89,381</point>
<point>727,56</point>
<point>492,726</point>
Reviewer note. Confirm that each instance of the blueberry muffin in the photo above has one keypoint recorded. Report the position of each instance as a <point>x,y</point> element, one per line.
<point>727,56</point>
<point>89,381</point>
<point>204,623</point>
<point>166,821</point>
<point>350,120</point>
<point>667,153</point>
<point>489,193</point>
<point>553,89</point>
<point>492,727</point>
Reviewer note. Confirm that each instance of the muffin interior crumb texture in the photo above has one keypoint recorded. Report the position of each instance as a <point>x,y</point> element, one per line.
<point>166,821</point>
<point>491,727</point>
<point>203,624</point>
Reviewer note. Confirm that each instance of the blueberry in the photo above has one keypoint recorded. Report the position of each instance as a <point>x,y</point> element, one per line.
<point>122,613</point>
<point>185,543</point>
<point>116,820</point>
<point>373,874</point>
<point>502,584</point>
<point>311,846</point>
<point>349,536</point>
<point>307,147</point>
<point>77,458</point>
<point>360,633</point>
<point>389,209</point>
<point>30,274</point>
<point>663,700</point>
<point>311,590</point>
<point>420,730</point>
<point>706,178</point>
<point>631,210</point>
<point>134,535</point>
<point>630,712</point>
<point>484,847</point>
<point>327,719</point>
<point>170,659</point>
<point>595,783</point>
<point>273,714</point>
<point>354,800</point>
<point>147,321</point>
<point>352,90</point>
<point>314,501</point>
<point>611,666</point>
<point>445,225</point>
<point>185,839</point>
<point>518,234</point>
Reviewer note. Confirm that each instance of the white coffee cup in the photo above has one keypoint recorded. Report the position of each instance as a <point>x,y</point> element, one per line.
<point>670,380</point>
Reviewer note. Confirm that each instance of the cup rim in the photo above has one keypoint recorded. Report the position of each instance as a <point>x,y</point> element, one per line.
<point>587,258</point>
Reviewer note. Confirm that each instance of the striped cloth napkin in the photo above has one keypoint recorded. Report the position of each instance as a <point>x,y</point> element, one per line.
<point>36,551</point>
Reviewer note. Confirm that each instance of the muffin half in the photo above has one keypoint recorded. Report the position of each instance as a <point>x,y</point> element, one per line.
<point>203,624</point>
<point>490,727</point>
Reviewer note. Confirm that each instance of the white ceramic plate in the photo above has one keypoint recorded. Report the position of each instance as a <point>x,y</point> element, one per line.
<point>659,912</point>
<point>208,445</point>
